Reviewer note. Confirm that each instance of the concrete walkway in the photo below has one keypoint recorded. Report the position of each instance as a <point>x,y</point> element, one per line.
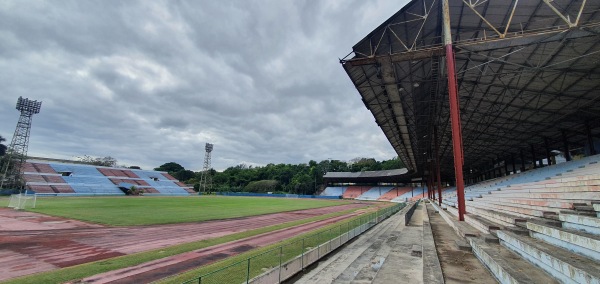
<point>389,253</point>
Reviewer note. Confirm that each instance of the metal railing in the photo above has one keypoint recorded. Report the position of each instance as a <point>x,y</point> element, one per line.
<point>282,262</point>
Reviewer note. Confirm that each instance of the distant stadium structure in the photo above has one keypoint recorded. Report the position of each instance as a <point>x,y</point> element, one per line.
<point>62,179</point>
<point>386,185</point>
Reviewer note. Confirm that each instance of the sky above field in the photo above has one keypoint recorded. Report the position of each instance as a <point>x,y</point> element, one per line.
<point>150,82</point>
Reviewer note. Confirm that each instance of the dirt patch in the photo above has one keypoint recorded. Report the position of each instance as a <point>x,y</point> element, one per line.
<point>457,266</point>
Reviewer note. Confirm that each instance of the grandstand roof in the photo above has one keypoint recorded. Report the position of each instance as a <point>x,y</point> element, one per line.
<point>527,75</point>
<point>397,175</point>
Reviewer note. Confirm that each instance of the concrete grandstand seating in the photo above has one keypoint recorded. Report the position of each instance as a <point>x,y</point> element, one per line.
<point>375,192</point>
<point>334,191</point>
<point>414,194</point>
<point>355,191</point>
<point>547,216</point>
<point>395,192</point>
<point>117,173</point>
<point>62,178</point>
<point>161,183</point>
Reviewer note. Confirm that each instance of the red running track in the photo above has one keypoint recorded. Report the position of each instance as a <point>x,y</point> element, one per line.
<point>24,252</point>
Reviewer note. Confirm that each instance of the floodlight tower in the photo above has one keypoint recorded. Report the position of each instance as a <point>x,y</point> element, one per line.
<point>206,178</point>
<point>17,151</point>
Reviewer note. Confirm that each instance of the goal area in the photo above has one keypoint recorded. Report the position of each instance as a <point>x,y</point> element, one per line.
<point>22,201</point>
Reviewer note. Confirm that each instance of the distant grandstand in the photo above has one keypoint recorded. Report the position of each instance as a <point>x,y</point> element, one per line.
<point>386,185</point>
<point>59,178</point>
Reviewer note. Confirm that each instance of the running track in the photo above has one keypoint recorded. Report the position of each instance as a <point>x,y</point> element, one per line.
<point>62,243</point>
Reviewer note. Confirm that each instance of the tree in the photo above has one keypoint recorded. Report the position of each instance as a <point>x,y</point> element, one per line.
<point>107,161</point>
<point>392,164</point>
<point>3,147</point>
<point>262,186</point>
<point>170,167</point>
<point>183,175</point>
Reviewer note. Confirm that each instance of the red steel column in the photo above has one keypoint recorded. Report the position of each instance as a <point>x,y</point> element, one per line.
<point>454,113</point>
<point>437,166</point>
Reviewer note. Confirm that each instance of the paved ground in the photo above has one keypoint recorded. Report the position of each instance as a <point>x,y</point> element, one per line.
<point>381,255</point>
<point>31,243</point>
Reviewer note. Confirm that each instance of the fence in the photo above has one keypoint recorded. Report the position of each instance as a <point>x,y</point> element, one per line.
<point>282,262</point>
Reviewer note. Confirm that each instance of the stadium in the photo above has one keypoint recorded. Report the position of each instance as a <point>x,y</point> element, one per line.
<point>492,106</point>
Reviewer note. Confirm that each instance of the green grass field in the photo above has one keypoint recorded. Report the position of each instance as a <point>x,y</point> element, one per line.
<point>130,211</point>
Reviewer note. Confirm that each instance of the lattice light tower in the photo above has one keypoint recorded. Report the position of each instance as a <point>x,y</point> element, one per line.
<point>17,151</point>
<point>206,178</point>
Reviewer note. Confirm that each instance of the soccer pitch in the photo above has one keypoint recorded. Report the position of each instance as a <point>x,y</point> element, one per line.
<point>131,211</point>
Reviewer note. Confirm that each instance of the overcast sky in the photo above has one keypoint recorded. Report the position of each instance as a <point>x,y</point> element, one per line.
<point>149,82</point>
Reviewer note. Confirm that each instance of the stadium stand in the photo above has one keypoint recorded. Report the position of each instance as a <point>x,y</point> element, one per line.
<point>354,191</point>
<point>65,178</point>
<point>548,216</point>
<point>395,192</point>
<point>334,191</point>
<point>159,182</point>
<point>414,194</point>
<point>375,193</point>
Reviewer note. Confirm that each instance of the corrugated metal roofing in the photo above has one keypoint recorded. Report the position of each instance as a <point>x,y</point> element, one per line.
<point>528,76</point>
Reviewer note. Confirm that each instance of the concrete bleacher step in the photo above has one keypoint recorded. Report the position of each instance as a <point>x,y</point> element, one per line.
<point>584,223</point>
<point>564,265</point>
<point>522,210</point>
<point>579,242</point>
<point>577,195</point>
<point>507,266</point>
<point>508,221</point>
<point>482,224</point>
<point>460,228</point>
<point>540,202</point>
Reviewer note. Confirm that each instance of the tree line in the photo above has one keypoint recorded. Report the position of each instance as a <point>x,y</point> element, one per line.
<point>304,178</point>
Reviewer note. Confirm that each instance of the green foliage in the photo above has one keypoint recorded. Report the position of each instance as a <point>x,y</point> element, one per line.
<point>3,147</point>
<point>134,191</point>
<point>300,178</point>
<point>123,211</point>
<point>170,167</point>
<point>107,161</point>
<point>289,178</point>
<point>262,186</point>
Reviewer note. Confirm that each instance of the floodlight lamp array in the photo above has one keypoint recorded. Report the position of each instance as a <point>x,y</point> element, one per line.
<point>208,147</point>
<point>27,105</point>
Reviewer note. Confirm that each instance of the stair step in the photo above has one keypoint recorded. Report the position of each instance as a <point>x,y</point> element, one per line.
<point>581,213</point>
<point>496,216</point>
<point>587,224</point>
<point>507,266</point>
<point>562,264</point>
<point>585,208</point>
<point>572,240</point>
<point>481,224</point>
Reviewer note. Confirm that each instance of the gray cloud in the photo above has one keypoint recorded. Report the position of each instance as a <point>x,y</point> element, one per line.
<point>149,82</point>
